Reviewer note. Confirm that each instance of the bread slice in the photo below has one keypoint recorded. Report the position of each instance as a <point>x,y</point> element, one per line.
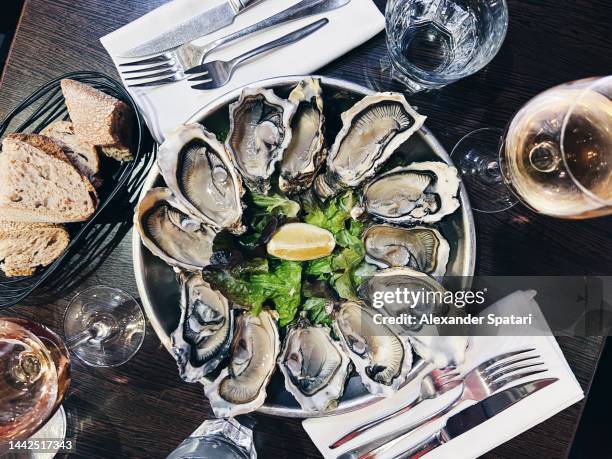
<point>38,184</point>
<point>23,247</point>
<point>99,119</point>
<point>84,157</point>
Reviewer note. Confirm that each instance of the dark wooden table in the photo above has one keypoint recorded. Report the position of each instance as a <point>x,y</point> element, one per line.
<point>142,409</point>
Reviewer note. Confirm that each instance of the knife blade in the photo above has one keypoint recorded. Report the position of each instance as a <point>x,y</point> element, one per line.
<point>475,415</point>
<point>218,14</point>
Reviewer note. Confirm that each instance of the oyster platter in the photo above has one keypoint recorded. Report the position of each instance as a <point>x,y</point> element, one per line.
<point>272,217</point>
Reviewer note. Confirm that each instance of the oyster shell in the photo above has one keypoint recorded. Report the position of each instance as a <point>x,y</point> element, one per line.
<point>260,131</point>
<point>420,248</point>
<point>201,175</point>
<point>314,366</point>
<point>404,279</point>
<point>372,131</point>
<point>306,152</point>
<point>382,359</point>
<point>203,337</point>
<point>420,192</point>
<point>168,230</point>
<point>241,387</point>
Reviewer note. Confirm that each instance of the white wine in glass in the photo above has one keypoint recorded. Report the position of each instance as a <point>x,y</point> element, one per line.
<point>34,376</point>
<point>557,151</point>
<point>555,156</point>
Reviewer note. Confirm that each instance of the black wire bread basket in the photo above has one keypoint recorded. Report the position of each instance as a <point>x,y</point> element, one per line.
<point>121,184</point>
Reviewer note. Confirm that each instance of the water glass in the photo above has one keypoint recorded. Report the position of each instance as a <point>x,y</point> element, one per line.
<point>436,42</point>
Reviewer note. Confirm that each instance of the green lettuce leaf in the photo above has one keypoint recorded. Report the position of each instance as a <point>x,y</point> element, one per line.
<point>283,287</point>
<point>317,311</point>
<point>277,204</point>
<point>332,214</point>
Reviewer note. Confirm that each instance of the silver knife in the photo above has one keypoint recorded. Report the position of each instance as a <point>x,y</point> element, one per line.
<point>459,423</point>
<point>475,415</point>
<point>216,15</point>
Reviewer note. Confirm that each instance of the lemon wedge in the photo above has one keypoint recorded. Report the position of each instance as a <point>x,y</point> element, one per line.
<point>301,242</point>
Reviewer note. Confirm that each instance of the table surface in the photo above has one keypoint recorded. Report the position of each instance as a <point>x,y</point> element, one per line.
<point>143,409</point>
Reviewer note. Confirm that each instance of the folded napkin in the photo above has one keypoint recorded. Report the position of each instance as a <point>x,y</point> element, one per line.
<point>166,107</point>
<point>503,427</point>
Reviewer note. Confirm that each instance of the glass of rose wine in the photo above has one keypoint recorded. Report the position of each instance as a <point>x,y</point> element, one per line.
<point>34,377</point>
<point>555,156</point>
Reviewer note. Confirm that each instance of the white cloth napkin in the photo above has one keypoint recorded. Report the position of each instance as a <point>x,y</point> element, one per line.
<point>503,427</point>
<point>166,107</point>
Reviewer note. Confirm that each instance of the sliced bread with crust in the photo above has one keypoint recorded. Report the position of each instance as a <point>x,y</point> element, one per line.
<point>24,247</point>
<point>38,184</point>
<point>99,119</point>
<point>83,156</point>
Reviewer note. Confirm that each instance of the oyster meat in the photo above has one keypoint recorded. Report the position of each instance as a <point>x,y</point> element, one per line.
<point>382,358</point>
<point>428,298</point>
<point>420,248</point>
<point>372,130</point>
<point>314,366</point>
<point>168,230</point>
<point>418,193</point>
<point>203,337</point>
<point>241,387</point>
<point>306,151</point>
<point>200,173</point>
<point>260,131</point>
<point>442,351</point>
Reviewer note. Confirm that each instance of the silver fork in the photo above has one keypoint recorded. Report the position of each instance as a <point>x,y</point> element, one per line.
<point>170,66</point>
<point>480,382</point>
<point>433,385</point>
<point>217,73</point>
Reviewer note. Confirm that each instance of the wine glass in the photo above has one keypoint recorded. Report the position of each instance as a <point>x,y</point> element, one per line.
<point>34,377</point>
<point>432,43</point>
<point>104,326</point>
<point>555,155</point>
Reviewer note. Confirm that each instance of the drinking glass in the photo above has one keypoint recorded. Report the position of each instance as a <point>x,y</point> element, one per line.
<point>555,155</point>
<point>433,43</point>
<point>34,377</point>
<point>104,326</point>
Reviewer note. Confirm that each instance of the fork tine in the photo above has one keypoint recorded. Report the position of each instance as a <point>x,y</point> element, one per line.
<point>451,382</point>
<point>203,76</point>
<point>499,374</point>
<point>447,375</point>
<point>492,369</point>
<point>151,60</point>
<point>161,81</point>
<point>487,363</point>
<point>165,73</point>
<point>509,379</point>
<point>206,85</point>
<point>149,69</point>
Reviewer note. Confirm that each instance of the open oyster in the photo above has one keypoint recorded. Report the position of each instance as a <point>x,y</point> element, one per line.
<point>260,131</point>
<point>306,152</point>
<point>420,248</point>
<point>241,387</point>
<point>168,230</point>
<point>382,359</point>
<point>201,175</point>
<point>314,366</point>
<point>428,298</point>
<point>203,337</point>
<point>372,131</point>
<point>420,192</point>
